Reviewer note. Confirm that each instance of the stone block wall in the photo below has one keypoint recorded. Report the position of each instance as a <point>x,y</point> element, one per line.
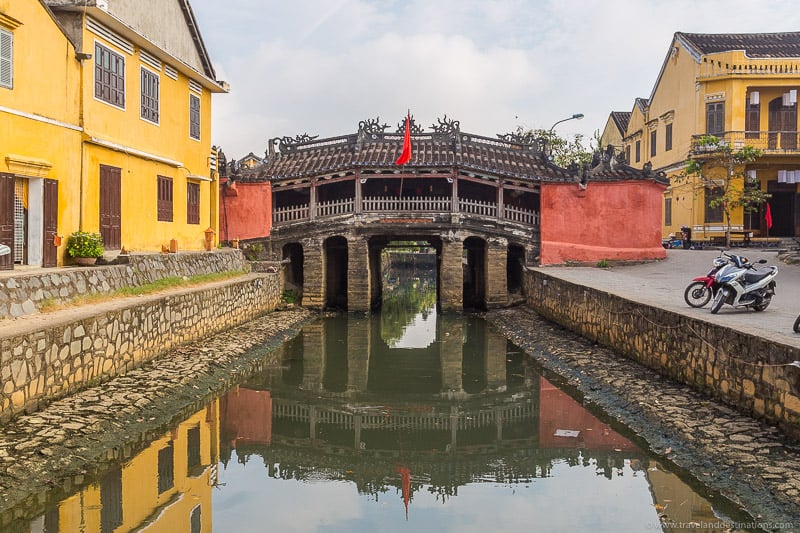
<point>112,338</point>
<point>24,293</point>
<point>745,371</point>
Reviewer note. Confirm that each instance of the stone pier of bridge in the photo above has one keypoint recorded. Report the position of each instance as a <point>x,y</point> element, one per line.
<point>357,274</point>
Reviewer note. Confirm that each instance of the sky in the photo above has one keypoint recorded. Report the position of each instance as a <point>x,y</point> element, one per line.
<point>319,67</point>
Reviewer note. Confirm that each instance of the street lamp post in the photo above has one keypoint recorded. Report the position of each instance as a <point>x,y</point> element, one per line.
<point>576,116</point>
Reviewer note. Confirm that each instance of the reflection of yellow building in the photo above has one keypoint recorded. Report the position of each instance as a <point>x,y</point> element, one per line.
<point>678,503</point>
<point>166,487</point>
<point>118,137</point>
<point>738,87</point>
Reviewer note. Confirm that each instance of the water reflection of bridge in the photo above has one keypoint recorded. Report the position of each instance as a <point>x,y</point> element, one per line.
<point>352,356</point>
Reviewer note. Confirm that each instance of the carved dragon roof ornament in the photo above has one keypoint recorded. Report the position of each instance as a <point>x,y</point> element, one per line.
<point>519,137</point>
<point>401,126</point>
<point>446,125</point>
<point>372,126</point>
<point>287,143</point>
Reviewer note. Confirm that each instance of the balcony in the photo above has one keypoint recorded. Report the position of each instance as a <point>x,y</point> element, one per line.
<point>769,142</point>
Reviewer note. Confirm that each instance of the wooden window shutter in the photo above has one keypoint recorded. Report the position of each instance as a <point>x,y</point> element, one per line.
<point>164,199</point>
<point>6,59</point>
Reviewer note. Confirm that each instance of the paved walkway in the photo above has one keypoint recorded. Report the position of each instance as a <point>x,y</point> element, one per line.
<point>662,283</point>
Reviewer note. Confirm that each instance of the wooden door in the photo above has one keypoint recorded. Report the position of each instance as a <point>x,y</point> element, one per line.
<point>782,125</point>
<point>111,207</point>
<point>50,250</point>
<point>7,219</point>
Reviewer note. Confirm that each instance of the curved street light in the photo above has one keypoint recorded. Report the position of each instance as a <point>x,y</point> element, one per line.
<point>576,116</point>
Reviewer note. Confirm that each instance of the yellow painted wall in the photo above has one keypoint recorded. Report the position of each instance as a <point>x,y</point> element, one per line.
<point>168,141</point>
<point>611,135</point>
<point>679,98</point>
<point>52,126</point>
<point>39,116</point>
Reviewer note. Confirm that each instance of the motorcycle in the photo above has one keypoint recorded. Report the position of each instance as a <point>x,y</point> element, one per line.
<point>741,284</point>
<point>702,288</point>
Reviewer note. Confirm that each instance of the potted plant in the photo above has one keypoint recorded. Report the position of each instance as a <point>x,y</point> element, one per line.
<point>85,247</point>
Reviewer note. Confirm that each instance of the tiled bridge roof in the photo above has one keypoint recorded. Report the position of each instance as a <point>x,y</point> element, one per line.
<point>510,155</point>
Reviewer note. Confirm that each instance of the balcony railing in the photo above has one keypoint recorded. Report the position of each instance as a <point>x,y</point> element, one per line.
<point>406,206</point>
<point>769,142</point>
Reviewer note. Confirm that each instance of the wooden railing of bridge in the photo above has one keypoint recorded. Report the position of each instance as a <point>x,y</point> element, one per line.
<point>409,205</point>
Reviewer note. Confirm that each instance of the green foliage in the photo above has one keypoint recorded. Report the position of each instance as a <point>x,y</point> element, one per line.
<point>151,287</point>
<point>603,263</point>
<point>718,164</point>
<point>85,244</point>
<point>402,304</point>
<point>290,296</point>
<point>253,252</point>
<point>562,151</point>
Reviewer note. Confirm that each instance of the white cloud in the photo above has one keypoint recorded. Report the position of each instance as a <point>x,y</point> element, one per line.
<point>321,66</point>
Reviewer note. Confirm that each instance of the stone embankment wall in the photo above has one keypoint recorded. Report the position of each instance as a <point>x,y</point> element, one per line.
<point>748,372</point>
<point>24,293</point>
<point>78,347</point>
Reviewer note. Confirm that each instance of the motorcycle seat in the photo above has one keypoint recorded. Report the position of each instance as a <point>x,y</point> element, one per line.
<point>754,276</point>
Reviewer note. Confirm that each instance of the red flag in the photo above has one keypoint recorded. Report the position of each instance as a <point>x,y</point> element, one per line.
<point>768,217</point>
<point>405,155</point>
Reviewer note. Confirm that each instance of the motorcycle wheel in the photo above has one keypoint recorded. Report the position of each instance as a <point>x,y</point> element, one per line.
<point>719,299</point>
<point>796,326</point>
<point>697,294</point>
<point>763,304</point>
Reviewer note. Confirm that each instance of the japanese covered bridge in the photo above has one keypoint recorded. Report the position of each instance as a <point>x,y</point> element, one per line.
<point>487,206</point>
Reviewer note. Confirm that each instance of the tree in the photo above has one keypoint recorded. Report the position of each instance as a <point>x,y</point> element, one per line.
<point>716,163</point>
<point>562,151</point>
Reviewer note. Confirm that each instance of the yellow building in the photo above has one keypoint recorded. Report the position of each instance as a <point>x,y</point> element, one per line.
<point>166,487</point>
<point>122,124</point>
<point>614,130</point>
<point>741,88</point>
<point>40,133</point>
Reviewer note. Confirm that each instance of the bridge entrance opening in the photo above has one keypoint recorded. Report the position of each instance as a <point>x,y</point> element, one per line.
<point>408,273</point>
<point>292,255</point>
<point>514,262</point>
<point>474,265</point>
<point>336,257</point>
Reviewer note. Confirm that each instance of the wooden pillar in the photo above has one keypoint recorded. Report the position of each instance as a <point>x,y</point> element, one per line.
<point>454,192</point>
<point>312,201</point>
<point>313,273</point>
<point>358,275</point>
<point>501,212</point>
<point>451,275</point>
<point>359,193</point>
<point>496,274</point>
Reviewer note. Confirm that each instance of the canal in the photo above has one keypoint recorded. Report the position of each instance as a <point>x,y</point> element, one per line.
<point>404,420</point>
